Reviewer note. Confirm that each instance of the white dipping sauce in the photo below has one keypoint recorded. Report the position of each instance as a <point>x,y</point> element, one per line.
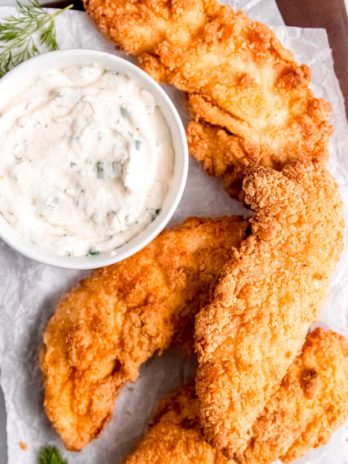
<point>86,160</point>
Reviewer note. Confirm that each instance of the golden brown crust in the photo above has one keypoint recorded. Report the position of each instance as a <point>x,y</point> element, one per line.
<point>174,436</point>
<point>309,406</point>
<point>138,26</point>
<point>267,298</point>
<point>291,423</point>
<point>103,330</point>
<point>254,89</point>
<point>222,155</point>
<point>229,156</point>
<point>328,352</point>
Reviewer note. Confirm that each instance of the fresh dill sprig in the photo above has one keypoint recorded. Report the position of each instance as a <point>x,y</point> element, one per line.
<point>22,35</point>
<point>50,455</point>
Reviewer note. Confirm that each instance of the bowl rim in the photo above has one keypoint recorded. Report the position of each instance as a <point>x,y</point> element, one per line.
<point>181,162</point>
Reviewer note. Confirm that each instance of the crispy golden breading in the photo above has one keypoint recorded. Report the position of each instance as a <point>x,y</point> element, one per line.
<point>304,135</point>
<point>103,330</point>
<point>174,436</point>
<point>267,298</point>
<point>224,155</point>
<point>221,154</point>
<point>138,26</point>
<point>308,407</point>
<point>241,78</point>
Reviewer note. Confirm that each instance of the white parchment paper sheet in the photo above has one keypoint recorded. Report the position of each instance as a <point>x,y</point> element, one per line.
<point>29,291</point>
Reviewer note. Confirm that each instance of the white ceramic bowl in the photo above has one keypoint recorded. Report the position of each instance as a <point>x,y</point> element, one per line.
<point>11,84</point>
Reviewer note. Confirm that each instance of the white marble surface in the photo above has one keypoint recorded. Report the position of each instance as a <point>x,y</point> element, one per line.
<point>28,291</point>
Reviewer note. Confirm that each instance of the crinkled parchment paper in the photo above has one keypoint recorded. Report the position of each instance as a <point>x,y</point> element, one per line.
<point>29,290</point>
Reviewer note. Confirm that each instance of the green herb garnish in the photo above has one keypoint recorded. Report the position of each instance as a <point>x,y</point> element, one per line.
<point>50,455</point>
<point>93,252</point>
<point>154,212</point>
<point>124,112</point>
<point>100,170</point>
<point>21,37</point>
<point>137,144</point>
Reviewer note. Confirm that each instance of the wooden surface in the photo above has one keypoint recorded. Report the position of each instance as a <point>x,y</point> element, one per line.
<point>329,14</point>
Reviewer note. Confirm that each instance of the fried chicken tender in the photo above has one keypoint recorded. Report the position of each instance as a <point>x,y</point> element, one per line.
<point>267,298</point>
<point>308,407</point>
<point>174,436</point>
<point>239,77</point>
<point>138,26</point>
<point>103,330</point>
<point>223,155</point>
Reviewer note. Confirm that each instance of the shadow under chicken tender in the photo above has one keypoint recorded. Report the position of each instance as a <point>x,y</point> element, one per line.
<point>103,330</point>
<point>268,296</point>
<point>308,407</point>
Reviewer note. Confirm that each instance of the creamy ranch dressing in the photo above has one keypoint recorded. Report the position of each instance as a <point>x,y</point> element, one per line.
<point>86,160</point>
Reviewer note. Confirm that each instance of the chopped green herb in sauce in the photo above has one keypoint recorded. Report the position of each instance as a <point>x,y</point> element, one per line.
<point>124,112</point>
<point>93,252</point>
<point>154,212</point>
<point>100,170</point>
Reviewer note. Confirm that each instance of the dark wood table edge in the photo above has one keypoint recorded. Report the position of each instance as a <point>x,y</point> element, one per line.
<point>330,15</point>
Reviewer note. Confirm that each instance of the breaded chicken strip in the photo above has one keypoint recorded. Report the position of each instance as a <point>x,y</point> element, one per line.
<point>224,155</point>
<point>221,154</point>
<point>267,298</point>
<point>103,330</point>
<point>239,77</point>
<point>138,26</point>
<point>174,436</point>
<point>308,407</point>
